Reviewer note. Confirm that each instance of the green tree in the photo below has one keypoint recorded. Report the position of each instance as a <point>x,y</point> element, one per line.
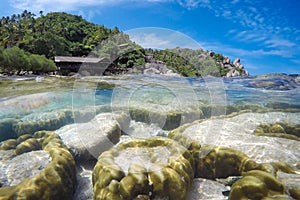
<point>15,60</point>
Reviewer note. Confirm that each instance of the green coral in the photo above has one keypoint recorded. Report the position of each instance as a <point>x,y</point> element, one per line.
<point>256,184</point>
<point>295,193</point>
<point>48,121</point>
<point>8,144</point>
<point>218,162</point>
<point>172,119</point>
<point>154,178</point>
<point>56,181</point>
<point>282,130</point>
<point>221,162</point>
<point>28,145</point>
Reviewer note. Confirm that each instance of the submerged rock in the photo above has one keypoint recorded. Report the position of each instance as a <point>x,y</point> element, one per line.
<point>205,189</point>
<point>84,190</point>
<point>43,121</point>
<point>237,132</point>
<point>26,165</point>
<point>259,163</point>
<point>28,102</point>
<point>291,182</point>
<point>6,128</point>
<point>88,140</point>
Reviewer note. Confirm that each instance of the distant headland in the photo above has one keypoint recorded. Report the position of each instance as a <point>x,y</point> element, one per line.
<point>31,45</point>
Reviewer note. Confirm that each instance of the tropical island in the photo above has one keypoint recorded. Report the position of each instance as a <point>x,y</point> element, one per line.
<point>86,113</point>
<point>30,44</point>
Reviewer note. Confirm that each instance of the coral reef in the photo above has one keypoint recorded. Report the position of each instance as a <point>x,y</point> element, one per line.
<point>42,121</point>
<point>144,169</point>
<point>170,120</point>
<point>221,162</point>
<point>56,181</point>
<point>283,130</point>
<point>249,179</point>
<point>257,184</point>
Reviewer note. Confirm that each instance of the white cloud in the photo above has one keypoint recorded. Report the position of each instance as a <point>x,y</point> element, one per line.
<point>67,5</point>
<point>233,52</point>
<point>194,3</point>
<point>161,38</point>
<point>70,5</point>
<point>277,42</point>
<point>150,40</point>
<point>57,5</point>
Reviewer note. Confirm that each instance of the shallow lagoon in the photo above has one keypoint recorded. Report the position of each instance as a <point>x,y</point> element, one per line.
<point>154,105</point>
<point>50,94</point>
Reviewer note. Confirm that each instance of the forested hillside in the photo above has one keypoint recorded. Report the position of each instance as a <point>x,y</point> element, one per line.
<point>53,34</point>
<point>30,43</point>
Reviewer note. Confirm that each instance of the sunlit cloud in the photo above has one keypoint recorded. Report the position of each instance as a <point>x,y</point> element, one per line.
<point>161,38</point>
<point>150,40</point>
<point>69,5</point>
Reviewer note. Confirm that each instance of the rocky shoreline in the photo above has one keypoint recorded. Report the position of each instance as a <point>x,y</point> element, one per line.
<point>158,67</point>
<point>151,67</point>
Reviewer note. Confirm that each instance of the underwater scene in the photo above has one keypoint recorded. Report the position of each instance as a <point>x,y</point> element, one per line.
<point>150,137</point>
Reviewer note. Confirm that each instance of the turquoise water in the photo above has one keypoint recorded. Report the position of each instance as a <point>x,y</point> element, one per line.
<point>164,91</point>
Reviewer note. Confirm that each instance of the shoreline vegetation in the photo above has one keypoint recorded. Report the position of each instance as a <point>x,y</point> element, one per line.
<point>28,45</point>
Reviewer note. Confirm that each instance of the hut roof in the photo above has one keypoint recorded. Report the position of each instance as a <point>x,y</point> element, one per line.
<point>71,59</point>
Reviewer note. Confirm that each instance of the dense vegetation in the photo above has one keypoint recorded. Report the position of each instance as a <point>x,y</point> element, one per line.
<point>188,62</point>
<point>64,35</point>
<point>15,60</point>
<point>53,34</point>
<point>27,41</point>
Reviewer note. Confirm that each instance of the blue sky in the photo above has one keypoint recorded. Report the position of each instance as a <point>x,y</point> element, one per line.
<point>265,35</point>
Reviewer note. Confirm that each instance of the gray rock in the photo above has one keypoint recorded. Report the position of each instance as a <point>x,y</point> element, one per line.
<point>148,65</point>
<point>211,53</point>
<point>162,68</point>
<point>151,70</point>
<point>14,169</point>
<point>226,60</point>
<point>289,180</point>
<point>171,73</point>
<point>237,61</point>
<point>84,190</point>
<point>227,66</point>
<point>236,73</point>
<point>204,189</point>
<point>237,133</point>
<point>232,73</point>
<point>245,73</point>
<point>203,56</point>
<point>149,59</point>
<point>88,140</point>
